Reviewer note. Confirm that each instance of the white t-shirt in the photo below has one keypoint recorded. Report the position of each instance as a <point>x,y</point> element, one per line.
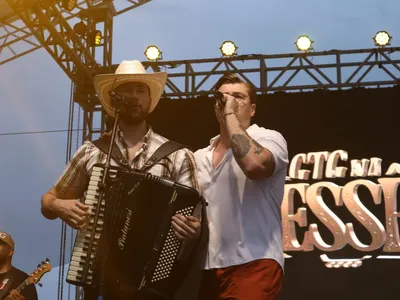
<point>244,215</point>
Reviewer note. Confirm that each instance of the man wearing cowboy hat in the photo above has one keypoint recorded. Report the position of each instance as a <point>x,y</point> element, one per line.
<point>134,138</point>
<point>11,277</point>
<point>136,141</point>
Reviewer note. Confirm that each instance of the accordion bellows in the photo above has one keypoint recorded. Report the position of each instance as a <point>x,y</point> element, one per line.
<point>134,235</point>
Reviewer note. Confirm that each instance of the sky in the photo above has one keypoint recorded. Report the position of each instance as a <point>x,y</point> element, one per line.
<point>35,92</point>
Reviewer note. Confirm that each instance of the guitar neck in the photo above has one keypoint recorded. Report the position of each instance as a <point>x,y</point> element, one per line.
<point>19,288</point>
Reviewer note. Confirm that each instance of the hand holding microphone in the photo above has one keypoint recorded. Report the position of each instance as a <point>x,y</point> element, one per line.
<point>225,105</point>
<point>219,97</point>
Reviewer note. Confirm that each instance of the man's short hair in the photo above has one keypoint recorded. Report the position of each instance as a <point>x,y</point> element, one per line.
<point>231,78</point>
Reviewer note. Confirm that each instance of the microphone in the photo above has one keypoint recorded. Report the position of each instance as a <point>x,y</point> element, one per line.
<point>120,101</point>
<point>117,97</point>
<point>219,97</point>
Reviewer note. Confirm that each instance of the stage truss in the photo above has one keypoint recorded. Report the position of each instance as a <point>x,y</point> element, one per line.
<point>294,72</point>
<point>17,39</point>
<point>28,25</point>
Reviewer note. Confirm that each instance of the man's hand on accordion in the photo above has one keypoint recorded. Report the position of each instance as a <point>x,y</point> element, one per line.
<point>72,212</point>
<point>186,228</point>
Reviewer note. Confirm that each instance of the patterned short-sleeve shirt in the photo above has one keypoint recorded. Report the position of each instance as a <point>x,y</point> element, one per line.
<point>179,166</point>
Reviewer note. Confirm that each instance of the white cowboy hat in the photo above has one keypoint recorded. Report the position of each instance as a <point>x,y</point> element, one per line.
<point>129,71</point>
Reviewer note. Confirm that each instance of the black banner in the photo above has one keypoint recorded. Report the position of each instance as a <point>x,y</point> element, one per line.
<point>341,207</point>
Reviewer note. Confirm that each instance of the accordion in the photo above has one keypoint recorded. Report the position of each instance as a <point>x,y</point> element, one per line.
<point>134,238</point>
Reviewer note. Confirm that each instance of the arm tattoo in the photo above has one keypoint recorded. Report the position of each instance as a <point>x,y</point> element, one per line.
<point>258,148</point>
<point>240,145</point>
<point>270,161</point>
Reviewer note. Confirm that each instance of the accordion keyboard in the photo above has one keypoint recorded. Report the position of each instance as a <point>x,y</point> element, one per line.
<point>80,250</point>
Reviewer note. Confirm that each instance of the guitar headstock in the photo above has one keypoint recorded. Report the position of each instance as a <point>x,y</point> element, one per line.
<point>37,274</point>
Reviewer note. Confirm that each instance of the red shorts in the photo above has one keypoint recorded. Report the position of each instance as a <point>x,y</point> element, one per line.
<point>257,280</point>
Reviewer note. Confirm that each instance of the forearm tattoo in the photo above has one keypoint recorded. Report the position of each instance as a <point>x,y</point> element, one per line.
<point>257,147</point>
<point>240,145</point>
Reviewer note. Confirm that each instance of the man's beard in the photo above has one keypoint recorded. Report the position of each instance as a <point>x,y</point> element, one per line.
<point>133,115</point>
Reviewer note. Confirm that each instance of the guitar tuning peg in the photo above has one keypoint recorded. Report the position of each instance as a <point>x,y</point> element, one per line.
<point>40,284</point>
<point>38,266</point>
<point>47,260</point>
<point>42,262</point>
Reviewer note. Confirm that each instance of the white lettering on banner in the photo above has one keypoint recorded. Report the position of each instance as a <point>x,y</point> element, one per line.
<point>383,234</point>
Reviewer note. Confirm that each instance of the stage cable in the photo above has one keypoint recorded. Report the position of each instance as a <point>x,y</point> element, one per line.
<point>40,132</point>
<point>71,248</point>
<point>63,224</point>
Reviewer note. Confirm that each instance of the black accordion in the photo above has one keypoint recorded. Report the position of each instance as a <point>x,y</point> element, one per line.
<point>134,243</point>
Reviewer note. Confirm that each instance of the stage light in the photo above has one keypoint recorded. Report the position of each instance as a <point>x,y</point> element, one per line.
<point>69,5</point>
<point>304,43</point>
<point>228,48</point>
<point>97,37</point>
<point>382,38</point>
<point>80,28</point>
<point>94,38</point>
<point>152,52</point>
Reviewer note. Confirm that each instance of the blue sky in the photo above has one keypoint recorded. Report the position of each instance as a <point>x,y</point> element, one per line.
<point>35,94</point>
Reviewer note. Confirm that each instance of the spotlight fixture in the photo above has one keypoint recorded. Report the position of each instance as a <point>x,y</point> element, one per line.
<point>80,28</point>
<point>69,5</point>
<point>228,48</point>
<point>382,38</point>
<point>152,52</point>
<point>95,37</point>
<point>304,43</point>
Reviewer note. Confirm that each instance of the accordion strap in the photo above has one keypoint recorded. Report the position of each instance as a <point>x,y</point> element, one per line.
<point>104,142</point>
<point>163,151</point>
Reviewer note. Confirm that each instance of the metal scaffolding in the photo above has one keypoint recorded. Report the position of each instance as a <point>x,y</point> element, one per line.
<point>37,24</point>
<point>16,38</point>
<point>293,72</point>
<point>28,25</point>
<point>54,33</point>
